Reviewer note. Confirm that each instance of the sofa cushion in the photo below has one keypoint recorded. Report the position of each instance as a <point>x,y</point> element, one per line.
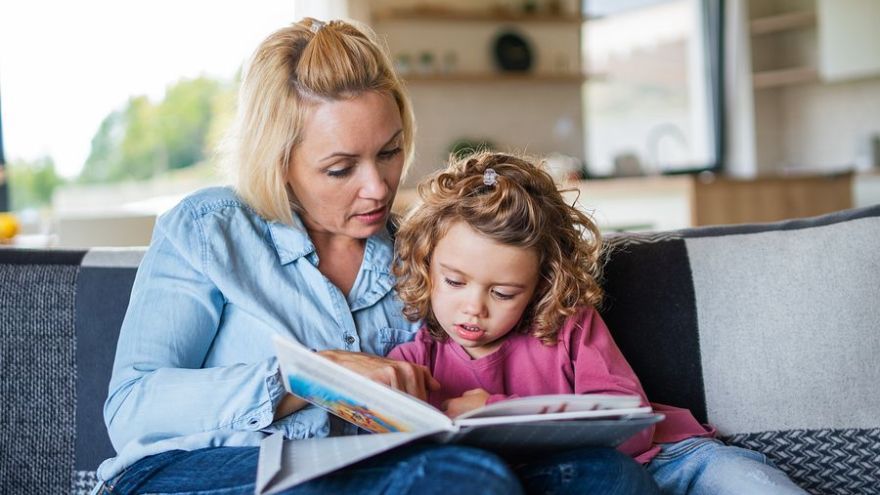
<point>37,366</point>
<point>767,331</point>
<point>103,288</point>
<point>60,313</point>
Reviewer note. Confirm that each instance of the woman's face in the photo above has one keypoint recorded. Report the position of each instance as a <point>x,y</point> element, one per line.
<point>347,167</point>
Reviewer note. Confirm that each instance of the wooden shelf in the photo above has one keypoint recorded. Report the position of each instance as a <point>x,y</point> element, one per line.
<point>493,77</point>
<point>784,77</point>
<point>782,22</point>
<point>443,14</point>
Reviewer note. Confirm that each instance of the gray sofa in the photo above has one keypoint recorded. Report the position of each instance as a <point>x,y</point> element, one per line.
<point>771,332</point>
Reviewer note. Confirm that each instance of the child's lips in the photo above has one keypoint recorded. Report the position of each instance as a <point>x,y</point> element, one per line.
<point>469,332</point>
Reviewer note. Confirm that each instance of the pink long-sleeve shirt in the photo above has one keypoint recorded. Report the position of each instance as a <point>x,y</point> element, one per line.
<point>585,360</point>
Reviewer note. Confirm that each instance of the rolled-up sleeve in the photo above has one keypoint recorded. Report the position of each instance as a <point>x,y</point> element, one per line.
<point>159,388</point>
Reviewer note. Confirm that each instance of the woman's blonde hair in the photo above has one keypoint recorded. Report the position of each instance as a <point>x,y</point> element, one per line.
<point>295,67</point>
<point>525,209</point>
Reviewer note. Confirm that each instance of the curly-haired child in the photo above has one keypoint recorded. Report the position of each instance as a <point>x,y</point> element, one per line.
<point>505,274</point>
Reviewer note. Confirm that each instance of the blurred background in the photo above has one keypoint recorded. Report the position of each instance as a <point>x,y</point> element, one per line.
<point>657,114</point>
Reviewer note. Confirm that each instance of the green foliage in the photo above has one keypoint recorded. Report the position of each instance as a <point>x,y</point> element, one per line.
<point>145,139</point>
<point>32,183</point>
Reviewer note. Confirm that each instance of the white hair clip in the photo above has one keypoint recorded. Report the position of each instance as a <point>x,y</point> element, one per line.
<point>317,25</point>
<point>490,177</point>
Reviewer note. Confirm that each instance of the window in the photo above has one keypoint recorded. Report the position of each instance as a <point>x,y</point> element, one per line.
<point>112,108</point>
<point>652,99</point>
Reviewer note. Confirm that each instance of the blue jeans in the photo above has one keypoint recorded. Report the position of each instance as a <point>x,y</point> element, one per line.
<point>422,469</point>
<point>704,466</point>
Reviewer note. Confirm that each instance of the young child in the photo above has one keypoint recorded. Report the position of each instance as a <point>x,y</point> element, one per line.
<point>504,273</point>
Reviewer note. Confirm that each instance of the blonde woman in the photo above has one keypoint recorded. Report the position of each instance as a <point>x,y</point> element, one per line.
<point>299,246</point>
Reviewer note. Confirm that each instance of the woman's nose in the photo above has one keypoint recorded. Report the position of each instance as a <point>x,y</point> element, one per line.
<point>374,185</point>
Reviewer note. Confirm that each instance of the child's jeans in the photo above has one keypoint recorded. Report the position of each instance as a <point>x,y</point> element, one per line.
<point>705,466</point>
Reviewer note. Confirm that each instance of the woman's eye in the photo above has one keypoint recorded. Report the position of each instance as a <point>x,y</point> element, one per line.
<point>453,283</point>
<point>342,172</point>
<point>389,154</point>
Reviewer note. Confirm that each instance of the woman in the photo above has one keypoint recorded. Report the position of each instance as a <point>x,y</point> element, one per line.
<point>298,247</point>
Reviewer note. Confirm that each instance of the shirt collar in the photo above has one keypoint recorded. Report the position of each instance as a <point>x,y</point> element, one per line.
<point>379,252</point>
<point>293,242</point>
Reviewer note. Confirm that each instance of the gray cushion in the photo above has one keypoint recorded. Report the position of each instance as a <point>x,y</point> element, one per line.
<point>37,366</point>
<point>768,331</point>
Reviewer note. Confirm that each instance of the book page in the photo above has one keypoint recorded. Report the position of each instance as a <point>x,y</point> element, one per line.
<point>558,403</point>
<point>559,416</point>
<point>354,398</point>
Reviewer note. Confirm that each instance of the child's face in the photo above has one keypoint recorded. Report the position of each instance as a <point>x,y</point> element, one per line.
<point>480,288</point>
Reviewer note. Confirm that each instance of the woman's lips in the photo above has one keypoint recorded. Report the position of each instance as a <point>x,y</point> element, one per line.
<point>469,332</point>
<point>373,216</point>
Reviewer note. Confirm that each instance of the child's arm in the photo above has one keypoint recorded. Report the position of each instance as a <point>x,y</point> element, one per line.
<point>415,352</point>
<point>598,365</point>
<point>600,368</point>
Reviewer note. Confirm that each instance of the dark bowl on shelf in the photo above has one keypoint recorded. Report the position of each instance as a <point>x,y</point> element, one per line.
<point>512,52</point>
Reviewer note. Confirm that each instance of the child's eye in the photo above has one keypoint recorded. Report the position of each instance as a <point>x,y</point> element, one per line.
<point>389,154</point>
<point>503,296</point>
<point>453,283</point>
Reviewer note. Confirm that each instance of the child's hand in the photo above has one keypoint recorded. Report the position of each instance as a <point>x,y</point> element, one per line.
<point>470,400</point>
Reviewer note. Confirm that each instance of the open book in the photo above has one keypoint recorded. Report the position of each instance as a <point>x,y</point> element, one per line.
<point>529,424</point>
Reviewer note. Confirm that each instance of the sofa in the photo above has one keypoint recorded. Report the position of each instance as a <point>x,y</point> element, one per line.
<point>771,332</point>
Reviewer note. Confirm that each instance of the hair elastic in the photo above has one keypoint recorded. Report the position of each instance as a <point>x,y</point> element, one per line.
<point>490,177</point>
<point>317,25</point>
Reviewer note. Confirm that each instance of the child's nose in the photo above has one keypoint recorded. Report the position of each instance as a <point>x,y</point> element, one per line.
<point>474,305</point>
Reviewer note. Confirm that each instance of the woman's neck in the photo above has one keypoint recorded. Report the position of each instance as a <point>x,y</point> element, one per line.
<point>340,258</point>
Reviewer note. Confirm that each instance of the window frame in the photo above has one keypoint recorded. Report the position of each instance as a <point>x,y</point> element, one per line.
<point>712,21</point>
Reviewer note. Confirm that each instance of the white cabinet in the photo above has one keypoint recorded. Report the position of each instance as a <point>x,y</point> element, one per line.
<point>814,101</point>
<point>849,38</point>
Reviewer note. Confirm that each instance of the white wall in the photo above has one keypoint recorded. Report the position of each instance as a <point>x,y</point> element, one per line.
<point>535,118</point>
<point>828,126</point>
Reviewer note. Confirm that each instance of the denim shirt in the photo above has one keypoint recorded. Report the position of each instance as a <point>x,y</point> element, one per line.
<point>194,364</point>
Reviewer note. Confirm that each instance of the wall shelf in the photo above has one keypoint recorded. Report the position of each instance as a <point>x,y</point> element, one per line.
<point>445,54</point>
<point>493,77</point>
<point>782,22</point>
<point>785,77</point>
<point>445,15</point>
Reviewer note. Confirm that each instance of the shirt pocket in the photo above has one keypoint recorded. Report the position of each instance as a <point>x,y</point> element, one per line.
<point>389,337</point>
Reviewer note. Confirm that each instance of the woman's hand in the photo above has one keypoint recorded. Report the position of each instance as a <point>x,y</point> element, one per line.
<point>413,379</point>
<point>470,400</point>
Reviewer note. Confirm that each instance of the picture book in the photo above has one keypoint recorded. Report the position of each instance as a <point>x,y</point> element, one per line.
<point>537,423</point>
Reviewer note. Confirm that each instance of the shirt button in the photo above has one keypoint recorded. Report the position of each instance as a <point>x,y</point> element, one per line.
<point>349,339</point>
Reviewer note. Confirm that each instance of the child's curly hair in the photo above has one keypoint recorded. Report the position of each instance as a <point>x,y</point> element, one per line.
<point>524,209</point>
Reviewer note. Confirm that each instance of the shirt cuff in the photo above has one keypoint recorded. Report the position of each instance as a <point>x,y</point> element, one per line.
<point>273,392</point>
<point>309,422</point>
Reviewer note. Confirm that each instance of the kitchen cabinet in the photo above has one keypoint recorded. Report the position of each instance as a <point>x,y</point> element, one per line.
<point>812,104</point>
<point>849,39</point>
<point>783,39</point>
